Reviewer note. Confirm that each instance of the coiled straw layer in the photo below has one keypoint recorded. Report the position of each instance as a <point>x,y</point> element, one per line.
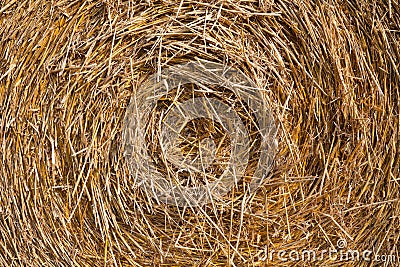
<point>328,69</point>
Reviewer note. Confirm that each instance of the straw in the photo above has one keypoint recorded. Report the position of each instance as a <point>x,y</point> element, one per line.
<point>329,71</point>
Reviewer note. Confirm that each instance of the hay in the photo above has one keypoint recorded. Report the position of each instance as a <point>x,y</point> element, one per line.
<point>173,113</point>
<point>68,69</point>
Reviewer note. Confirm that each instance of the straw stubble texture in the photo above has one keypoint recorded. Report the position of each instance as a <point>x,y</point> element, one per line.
<point>68,69</point>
